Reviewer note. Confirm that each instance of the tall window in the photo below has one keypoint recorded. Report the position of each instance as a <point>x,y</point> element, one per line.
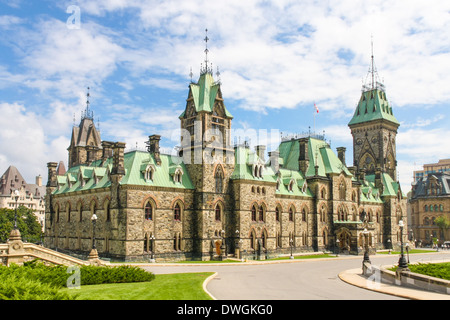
<point>177,212</point>
<point>277,213</point>
<point>253,213</point>
<point>261,213</point>
<point>218,212</point>
<point>148,210</point>
<point>291,214</point>
<point>219,180</point>
<point>107,211</point>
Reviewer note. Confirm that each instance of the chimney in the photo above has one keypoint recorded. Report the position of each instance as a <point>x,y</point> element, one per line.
<point>153,147</point>
<point>118,162</point>
<point>51,182</point>
<point>260,151</point>
<point>341,154</point>
<point>274,163</point>
<point>303,158</point>
<point>39,181</point>
<point>107,150</point>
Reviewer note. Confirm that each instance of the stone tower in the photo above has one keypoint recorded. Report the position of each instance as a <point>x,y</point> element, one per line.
<point>85,144</point>
<point>374,130</point>
<point>208,155</point>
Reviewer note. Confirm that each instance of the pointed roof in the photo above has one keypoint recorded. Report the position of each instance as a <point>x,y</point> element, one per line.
<point>372,106</point>
<point>204,93</point>
<point>12,180</point>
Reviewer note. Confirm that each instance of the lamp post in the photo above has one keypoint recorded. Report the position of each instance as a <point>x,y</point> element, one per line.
<point>16,197</point>
<point>337,247</point>
<point>402,264</point>
<point>366,246</point>
<point>152,243</point>
<point>389,245</point>
<point>291,241</point>
<point>94,220</point>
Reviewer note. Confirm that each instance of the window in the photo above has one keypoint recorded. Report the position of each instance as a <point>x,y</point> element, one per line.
<point>148,211</point>
<point>253,213</point>
<point>261,213</point>
<point>291,186</point>
<point>218,212</point>
<point>291,214</point>
<point>177,212</point>
<point>107,211</point>
<point>219,180</point>
<point>277,214</point>
<point>304,214</point>
<point>149,172</point>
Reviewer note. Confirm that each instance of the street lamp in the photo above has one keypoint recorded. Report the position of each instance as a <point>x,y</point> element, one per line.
<point>337,247</point>
<point>94,220</point>
<point>16,197</point>
<point>366,246</point>
<point>402,264</point>
<point>389,245</point>
<point>291,241</point>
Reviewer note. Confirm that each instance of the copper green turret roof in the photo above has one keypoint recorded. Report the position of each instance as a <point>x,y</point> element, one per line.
<point>204,93</point>
<point>373,105</point>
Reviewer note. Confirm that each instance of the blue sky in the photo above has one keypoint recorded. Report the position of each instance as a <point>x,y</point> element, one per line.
<point>276,59</point>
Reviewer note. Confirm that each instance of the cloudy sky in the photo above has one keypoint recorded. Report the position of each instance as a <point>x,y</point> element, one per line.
<point>276,59</point>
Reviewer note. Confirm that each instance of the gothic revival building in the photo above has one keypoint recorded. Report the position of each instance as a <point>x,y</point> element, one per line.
<point>215,199</point>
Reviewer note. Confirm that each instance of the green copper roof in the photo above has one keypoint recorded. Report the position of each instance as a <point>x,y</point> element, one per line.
<point>245,160</point>
<point>204,93</point>
<point>319,152</point>
<point>373,105</point>
<point>97,175</point>
<point>390,187</point>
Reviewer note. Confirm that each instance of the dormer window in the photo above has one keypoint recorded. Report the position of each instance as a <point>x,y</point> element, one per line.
<point>177,177</point>
<point>149,173</point>
<point>291,185</point>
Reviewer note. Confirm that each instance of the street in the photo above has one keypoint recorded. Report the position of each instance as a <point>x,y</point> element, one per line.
<point>313,279</point>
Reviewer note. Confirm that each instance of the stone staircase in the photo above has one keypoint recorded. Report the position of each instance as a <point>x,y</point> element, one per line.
<point>16,251</point>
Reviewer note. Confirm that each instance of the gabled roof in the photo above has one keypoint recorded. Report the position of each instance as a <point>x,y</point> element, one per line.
<point>204,94</point>
<point>245,159</point>
<point>373,105</point>
<point>319,153</point>
<point>97,175</point>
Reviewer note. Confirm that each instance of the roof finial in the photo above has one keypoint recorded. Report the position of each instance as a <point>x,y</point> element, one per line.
<point>88,113</point>
<point>374,79</point>
<point>373,69</point>
<point>206,68</point>
<point>191,74</point>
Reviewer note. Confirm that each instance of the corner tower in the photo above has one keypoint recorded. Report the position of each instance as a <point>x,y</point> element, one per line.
<point>85,143</point>
<point>374,129</point>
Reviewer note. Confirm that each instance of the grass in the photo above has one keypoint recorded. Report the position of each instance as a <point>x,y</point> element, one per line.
<point>437,270</point>
<point>183,286</point>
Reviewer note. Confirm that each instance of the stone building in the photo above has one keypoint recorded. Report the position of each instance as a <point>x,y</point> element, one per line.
<point>214,199</point>
<point>31,195</point>
<point>429,199</point>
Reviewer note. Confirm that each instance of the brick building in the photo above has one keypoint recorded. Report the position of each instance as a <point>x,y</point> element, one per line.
<point>215,199</point>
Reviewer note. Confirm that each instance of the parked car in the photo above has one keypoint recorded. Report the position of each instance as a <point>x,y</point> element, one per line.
<point>446,245</point>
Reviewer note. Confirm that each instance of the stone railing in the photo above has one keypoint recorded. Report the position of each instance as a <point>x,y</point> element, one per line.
<point>407,278</point>
<point>16,251</point>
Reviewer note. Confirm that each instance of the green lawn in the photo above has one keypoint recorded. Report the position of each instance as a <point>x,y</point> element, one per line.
<point>183,286</point>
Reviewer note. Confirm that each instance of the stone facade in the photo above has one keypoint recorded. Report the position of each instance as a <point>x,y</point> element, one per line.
<point>215,200</point>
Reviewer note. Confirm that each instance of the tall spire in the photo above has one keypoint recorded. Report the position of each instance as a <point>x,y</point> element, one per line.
<point>206,68</point>
<point>373,73</point>
<point>89,114</point>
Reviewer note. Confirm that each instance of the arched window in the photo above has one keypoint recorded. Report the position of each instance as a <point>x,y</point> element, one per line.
<point>264,239</point>
<point>218,176</point>
<point>253,213</point>
<point>277,213</point>
<point>107,211</point>
<point>218,213</point>
<point>177,212</point>
<point>304,214</point>
<point>68,212</point>
<point>291,214</point>
<point>148,211</point>
<point>291,185</point>
<point>261,213</point>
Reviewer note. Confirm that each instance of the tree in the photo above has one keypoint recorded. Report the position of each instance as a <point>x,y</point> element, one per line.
<point>443,223</point>
<point>27,223</point>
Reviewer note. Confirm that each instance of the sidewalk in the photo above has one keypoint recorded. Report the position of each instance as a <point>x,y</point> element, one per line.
<point>355,277</point>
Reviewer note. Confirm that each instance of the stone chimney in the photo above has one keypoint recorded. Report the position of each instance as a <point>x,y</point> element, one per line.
<point>51,182</point>
<point>261,151</point>
<point>153,147</point>
<point>303,158</point>
<point>39,181</point>
<point>107,150</point>
<point>118,162</point>
<point>274,162</point>
<point>341,154</point>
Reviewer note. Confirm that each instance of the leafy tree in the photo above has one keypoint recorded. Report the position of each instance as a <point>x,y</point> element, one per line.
<point>27,223</point>
<point>443,223</point>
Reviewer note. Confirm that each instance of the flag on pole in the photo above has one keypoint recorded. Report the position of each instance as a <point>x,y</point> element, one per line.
<point>315,107</point>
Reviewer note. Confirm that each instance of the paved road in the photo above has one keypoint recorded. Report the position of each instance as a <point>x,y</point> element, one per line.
<point>315,279</point>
